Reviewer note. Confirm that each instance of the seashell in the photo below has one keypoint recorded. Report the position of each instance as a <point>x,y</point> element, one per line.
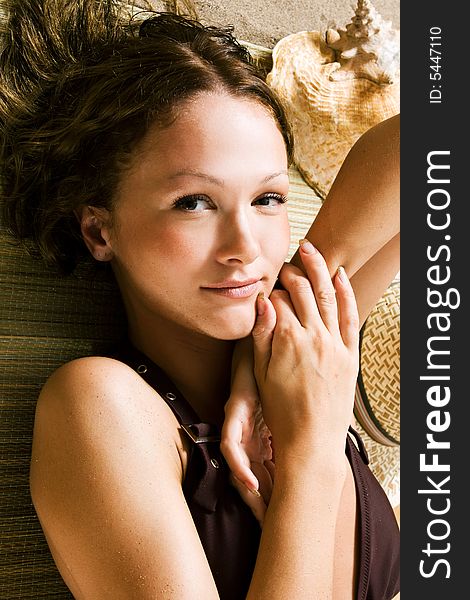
<point>334,86</point>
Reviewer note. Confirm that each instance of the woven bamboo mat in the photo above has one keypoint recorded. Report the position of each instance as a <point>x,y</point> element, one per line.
<point>44,321</point>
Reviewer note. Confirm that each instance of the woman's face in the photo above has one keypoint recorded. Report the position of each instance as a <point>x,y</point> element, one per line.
<point>199,226</point>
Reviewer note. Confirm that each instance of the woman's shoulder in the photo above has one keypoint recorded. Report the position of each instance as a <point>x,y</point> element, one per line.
<point>96,406</point>
<point>106,474</point>
<point>99,369</point>
<point>96,382</point>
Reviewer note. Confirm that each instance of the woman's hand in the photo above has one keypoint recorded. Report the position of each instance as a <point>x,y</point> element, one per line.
<point>246,440</point>
<point>306,355</point>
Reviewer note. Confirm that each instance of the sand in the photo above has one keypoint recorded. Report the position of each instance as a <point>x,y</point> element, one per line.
<point>265,22</point>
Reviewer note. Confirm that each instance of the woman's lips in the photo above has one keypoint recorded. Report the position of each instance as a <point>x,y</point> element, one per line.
<point>235,289</point>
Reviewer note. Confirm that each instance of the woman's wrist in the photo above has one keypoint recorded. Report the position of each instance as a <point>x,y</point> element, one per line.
<point>326,463</point>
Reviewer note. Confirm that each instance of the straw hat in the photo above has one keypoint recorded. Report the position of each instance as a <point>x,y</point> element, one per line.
<point>377,400</point>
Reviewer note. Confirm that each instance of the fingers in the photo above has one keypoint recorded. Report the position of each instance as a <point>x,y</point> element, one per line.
<point>319,276</point>
<point>258,504</point>
<point>230,446</point>
<point>301,294</point>
<point>347,308</point>
<point>265,481</point>
<point>322,300</point>
<point>263,333</point>
<point>255,503</point>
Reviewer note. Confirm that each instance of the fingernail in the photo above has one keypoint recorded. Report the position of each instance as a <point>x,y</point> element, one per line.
<point>342,274</point>
<point>260,304</point>
<point>254,492</point>
<point>307,247</point>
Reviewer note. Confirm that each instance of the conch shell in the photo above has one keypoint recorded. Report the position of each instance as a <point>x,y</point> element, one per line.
<point>335,86</point>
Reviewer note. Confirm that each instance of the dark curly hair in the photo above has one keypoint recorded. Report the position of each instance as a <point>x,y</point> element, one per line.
<point>80,86</point>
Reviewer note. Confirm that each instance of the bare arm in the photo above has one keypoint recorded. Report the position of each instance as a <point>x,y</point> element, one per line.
<point>360,216</point>
<point>305,367</point>
<point>296,555</point>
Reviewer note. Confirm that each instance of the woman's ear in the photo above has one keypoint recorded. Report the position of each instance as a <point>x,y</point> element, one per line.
<point>95,227</point>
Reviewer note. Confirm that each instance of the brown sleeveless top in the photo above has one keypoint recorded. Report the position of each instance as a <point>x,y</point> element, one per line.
<point>229,532</point>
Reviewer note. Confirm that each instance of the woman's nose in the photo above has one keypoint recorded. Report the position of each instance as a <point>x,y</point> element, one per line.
<point>239,241</point>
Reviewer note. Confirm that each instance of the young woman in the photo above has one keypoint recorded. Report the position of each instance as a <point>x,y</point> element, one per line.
<point>162,151</point>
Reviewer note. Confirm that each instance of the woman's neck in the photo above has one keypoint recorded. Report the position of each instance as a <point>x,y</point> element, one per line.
<point>199,366</point>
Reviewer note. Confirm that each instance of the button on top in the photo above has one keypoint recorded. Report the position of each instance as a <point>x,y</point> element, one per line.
<point>170,396</point>
<point>142,369</point>
<point>215,463</point>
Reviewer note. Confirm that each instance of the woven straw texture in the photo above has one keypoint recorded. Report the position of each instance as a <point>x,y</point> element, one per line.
<point>377,402</point>
<point>379,380</point>
<point>45,321</point>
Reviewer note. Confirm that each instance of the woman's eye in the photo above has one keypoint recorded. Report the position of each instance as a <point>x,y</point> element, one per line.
<point>192,204</point>
<point>270,200</point>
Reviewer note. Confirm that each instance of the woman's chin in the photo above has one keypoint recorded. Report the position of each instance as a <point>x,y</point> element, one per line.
<point>233,333</point>
<point>233,328</point>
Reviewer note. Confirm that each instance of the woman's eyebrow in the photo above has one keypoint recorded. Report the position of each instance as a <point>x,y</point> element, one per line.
<point>274,175</point>
<point>195,173</point>
<point>215,180</point>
